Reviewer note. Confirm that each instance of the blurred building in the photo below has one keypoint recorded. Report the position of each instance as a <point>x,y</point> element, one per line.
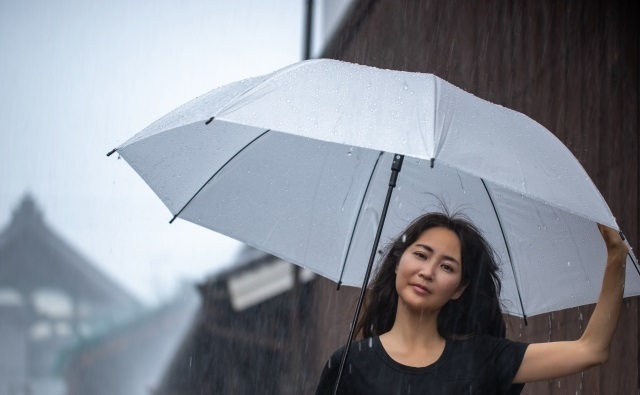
<point>50,298</point>
<point>240,340</point>
<point>131,358</point>
<point>263,328</point>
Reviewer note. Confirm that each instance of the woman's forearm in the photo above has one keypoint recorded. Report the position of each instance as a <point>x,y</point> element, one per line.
<point>602,325</point>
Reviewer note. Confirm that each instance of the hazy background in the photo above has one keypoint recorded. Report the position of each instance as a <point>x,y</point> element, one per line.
<point>78,78</point>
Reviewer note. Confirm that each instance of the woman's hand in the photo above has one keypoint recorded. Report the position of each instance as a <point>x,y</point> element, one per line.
<point>613,241</point>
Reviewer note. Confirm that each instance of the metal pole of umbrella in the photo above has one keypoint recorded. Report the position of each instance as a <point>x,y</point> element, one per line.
<point>396,165</point>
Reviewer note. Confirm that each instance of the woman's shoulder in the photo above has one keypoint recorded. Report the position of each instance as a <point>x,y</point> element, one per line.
<point>480,339</point>
<point>484,346</point>
<point>362,367</point>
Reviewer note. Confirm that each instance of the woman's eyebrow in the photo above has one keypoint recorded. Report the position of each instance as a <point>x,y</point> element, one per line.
<point>447,257</point>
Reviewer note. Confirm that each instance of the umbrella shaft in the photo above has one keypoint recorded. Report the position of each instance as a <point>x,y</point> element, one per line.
<point>395,169</point>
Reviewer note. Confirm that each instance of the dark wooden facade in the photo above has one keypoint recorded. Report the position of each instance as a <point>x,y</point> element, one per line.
<point>570,65</point>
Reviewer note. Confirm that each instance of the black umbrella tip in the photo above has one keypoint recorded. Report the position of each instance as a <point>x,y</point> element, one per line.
<point>111,152</point>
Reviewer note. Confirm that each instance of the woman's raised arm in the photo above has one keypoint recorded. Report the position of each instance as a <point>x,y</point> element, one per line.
<point>544,361</point>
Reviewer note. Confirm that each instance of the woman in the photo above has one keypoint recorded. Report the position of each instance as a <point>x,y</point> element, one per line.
<point>433,323</point>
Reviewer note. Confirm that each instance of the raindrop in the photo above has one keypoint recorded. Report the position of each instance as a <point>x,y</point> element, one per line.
<point>370,342</point>
<point>404,238</point>
<point>329,363</point>
<point>349,368</point>
<point>569,263</point>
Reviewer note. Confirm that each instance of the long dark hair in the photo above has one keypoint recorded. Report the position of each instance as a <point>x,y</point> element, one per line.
<point>477,311</point>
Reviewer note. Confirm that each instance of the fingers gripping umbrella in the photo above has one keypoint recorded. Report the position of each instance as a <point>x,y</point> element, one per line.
<point>296,163</point>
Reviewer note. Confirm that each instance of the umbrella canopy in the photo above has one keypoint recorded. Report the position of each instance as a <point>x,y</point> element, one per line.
<point>297,163</point>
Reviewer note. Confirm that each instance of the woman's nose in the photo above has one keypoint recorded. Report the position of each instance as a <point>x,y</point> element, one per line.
<point>427,271</point>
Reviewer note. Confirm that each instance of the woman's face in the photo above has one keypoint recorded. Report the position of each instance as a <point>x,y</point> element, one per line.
<point>429,272</point>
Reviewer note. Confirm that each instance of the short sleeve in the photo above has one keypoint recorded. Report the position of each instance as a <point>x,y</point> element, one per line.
<point>506,357</point>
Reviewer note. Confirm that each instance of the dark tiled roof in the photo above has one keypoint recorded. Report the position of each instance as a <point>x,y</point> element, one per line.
<point>32,255</point>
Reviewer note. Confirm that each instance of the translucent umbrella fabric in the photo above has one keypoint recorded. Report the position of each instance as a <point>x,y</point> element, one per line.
<point>297,162</point>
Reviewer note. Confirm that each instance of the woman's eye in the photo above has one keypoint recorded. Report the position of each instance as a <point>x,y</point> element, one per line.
<point>447,268</point>
<point>421,255</point>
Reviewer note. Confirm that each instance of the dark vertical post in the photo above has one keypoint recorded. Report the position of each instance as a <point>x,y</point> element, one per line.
<point>308,30</point>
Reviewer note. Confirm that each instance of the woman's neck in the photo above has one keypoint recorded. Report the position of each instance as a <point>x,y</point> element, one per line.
<point>415,328</point>
<point>414,339</point>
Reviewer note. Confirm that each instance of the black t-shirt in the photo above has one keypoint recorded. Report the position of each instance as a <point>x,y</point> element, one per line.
<point>478,365</point>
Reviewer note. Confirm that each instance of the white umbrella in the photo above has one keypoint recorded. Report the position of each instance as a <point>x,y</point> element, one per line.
<point>297,163</point>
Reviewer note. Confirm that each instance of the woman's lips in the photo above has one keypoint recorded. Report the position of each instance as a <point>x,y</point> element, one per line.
<point>419,289</point>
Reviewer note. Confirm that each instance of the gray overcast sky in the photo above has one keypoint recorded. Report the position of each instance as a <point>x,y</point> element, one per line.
<point>77,78</point>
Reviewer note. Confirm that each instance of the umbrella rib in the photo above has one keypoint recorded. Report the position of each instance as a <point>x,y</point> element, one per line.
<point>353,230</point>
<point>216,173</point>
<point>506,244</point>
